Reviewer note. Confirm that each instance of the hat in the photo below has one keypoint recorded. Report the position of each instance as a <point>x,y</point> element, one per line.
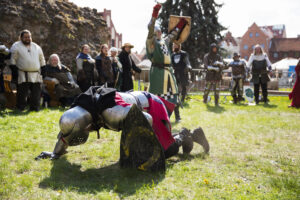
<point>236,54</point>
<point>127,45</point>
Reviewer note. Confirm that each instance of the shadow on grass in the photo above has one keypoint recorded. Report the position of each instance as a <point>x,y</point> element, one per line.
<point>215,109</point>
<point>67,176</point>
<point>184,157</point>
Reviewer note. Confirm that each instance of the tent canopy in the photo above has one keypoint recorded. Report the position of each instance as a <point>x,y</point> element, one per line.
<point>285,64</point>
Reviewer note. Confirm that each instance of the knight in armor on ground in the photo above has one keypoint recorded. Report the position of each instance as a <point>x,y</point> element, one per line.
<point>239,74</point>
<point>214,65</point>
<point>181,65</point>
<point>260,65</point>
<point>143,118</point>
<point>4,55</point>
<point>162,79</point>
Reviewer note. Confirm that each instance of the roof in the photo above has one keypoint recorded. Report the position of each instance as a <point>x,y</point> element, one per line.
<point>285,44</point>
<point>285,63</point>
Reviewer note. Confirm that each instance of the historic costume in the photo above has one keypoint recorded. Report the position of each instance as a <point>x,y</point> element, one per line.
<point>146,130</point>
<point>239,73</point>
<point>213,63</point>
<point>162,79</point>
<point>260,65</point>
<point>117,69</point>
<point>65,89</point>
<point>28,60</point>
<point>128,65</point>
<point>86,72</point>
<point>295,94</point>
<point>105,70</point>
<point>4,55</point>
<point>181,65</point>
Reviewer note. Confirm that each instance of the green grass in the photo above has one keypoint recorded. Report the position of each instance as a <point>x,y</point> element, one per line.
<point>254,155</point>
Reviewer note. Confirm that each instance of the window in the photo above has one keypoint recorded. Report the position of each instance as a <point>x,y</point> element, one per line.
<point>251,35</point>
<point>297,54</point>
<point>256,34</point>
<point>245,47</point>
<point>246,57</point>
<point>275,55</point>
<point>253,46</point>
<point>262,46</point>
<point>108,21</point>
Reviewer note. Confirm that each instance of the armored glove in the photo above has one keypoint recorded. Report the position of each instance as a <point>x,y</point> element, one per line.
<point>181,23</point>
<point>156,9</point>
<point>47,154</point>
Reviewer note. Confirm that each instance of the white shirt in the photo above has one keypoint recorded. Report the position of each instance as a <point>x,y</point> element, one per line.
<point>28,59</point>
<point>259,57</point>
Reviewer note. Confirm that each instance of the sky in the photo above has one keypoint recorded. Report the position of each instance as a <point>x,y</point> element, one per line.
<point>131,17</point>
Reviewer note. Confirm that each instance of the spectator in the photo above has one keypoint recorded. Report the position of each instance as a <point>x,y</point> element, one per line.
<point>117,67</point>
<point>259,65</point>
<point>104,67</point>
<point>295,94</point>
<point>27,59</point>
<point>128,65</point>
<point>86,73</point>
<point>4,55</point>
<point>66,89</point>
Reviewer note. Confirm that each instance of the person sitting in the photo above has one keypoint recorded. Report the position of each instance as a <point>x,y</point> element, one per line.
<point>65,87</point>
<point>104,67</point>
<point>86,72</point>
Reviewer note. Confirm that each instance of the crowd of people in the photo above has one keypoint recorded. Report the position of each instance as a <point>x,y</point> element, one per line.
<point>102,96</point>
<point>29,69</point>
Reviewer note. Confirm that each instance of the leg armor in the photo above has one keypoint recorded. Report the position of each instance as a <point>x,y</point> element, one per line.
<point>217,92</point>
<point>206,91</point>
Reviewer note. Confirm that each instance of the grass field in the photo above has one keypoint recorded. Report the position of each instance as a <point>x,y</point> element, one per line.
<point>255,154</point>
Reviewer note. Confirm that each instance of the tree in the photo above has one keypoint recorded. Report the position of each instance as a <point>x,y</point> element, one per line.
<point>205,27</point>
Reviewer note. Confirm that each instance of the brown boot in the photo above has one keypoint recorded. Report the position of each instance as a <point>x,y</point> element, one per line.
<point>199,137</point>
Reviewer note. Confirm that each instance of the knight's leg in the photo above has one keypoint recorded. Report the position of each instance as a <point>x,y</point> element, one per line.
<point>184,139</point>
<point>206,91</point>
<point>240,91</point>
<point>233,92</point>
<point>217,92</point>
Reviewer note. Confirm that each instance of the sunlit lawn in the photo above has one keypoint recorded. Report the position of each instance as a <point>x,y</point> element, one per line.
<point>255,154</point>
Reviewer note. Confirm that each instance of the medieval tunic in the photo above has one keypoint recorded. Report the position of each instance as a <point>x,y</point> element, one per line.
<point>259,66</point>
<point>295,94</point>
<point>180,63</point>
<point>162,79</point>
<point>128,65</point>
<point>86,72</point>
<point>105,70</point>
<point>239,70</point>
<point>28,60</point>
<point>66,86</point>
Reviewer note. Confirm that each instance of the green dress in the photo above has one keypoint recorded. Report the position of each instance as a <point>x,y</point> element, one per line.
<point>162,78</point>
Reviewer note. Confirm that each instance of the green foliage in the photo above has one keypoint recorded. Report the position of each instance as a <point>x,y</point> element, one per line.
<point>205,27</point>
<point>254,155</point>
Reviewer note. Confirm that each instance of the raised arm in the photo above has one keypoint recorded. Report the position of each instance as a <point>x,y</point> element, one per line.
<point>150,43</point>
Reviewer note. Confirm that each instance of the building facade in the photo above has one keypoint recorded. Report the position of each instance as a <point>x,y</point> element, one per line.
<point>281,48</point>
<point>260,35</point>
<point>116,38</point>
<point>230,44</point>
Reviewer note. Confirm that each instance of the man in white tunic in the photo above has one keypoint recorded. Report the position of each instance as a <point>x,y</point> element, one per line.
<point>27,59</point>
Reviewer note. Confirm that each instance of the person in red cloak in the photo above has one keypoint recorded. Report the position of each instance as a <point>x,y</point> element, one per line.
<point>295,94</point>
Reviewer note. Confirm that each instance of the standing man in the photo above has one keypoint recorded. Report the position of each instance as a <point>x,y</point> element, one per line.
<point>128,65</point>
<point>239,73</point>
<point>260,66</point>
<point>27,59</point>
<point>117,67</point>
<point>4,55</point>
<point>181,64</point>
<point>214,65</point>
<point>162,79</point>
